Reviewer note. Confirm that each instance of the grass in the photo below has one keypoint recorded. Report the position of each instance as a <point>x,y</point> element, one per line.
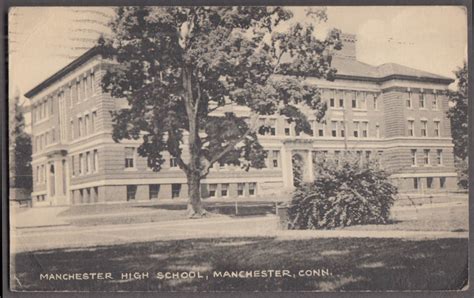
<point>89,215</point>
<point>355,264</point>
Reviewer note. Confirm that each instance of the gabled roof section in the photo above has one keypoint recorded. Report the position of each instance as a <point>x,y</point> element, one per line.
<point>64,71</point>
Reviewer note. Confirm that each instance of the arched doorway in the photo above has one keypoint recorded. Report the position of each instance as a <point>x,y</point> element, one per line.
<point>298,169</point>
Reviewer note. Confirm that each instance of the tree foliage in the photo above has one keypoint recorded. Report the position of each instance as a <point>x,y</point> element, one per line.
<point>23,150</point>
<point>458,115</point>
<point>344,192</point>
<point>183,69</point>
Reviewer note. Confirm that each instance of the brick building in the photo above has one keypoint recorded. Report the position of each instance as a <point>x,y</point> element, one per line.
<point>391,112</point>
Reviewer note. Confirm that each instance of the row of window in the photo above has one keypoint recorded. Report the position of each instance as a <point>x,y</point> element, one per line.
<point>42,110</point>
<point>85,125</point>
<point>418,183</point>
<point>85,195</point>
<point>44,139</point>
<point>424,128</point>
<point>426,157</point>
<point>88,163</point>
<point>422,101</point>
<point>338,128</point>
<point>81,89</point>
<point>359,103</point>
<point>214,190</point>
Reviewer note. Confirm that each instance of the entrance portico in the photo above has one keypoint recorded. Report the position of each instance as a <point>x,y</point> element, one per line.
<point>297,160</point>
<point>57,178</point>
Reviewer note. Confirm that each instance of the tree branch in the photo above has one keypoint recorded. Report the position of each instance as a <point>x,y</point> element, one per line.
<point>230,146</point>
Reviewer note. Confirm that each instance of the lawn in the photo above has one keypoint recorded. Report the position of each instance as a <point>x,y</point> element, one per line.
<point>354,264</point>
<point>105,214</point>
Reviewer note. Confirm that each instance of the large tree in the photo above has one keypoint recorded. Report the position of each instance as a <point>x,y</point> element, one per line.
<point>22,149</point>
<point>458,114</point>
<point>180,67</point>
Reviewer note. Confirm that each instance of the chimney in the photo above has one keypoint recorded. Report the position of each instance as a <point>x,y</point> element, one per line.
<point>348,46</point>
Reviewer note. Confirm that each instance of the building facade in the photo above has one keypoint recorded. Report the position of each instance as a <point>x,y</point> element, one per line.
<point>391,112</point>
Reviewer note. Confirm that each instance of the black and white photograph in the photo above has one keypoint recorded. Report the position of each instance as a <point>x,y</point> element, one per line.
<point>238,148</point>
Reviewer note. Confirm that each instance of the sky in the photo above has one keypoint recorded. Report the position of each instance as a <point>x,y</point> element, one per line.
<point>42,40</point>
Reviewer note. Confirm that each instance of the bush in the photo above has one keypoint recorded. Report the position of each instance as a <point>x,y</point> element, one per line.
<point>345,192</point>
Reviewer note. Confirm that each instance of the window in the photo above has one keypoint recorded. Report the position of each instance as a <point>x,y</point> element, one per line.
<point>173,162</point>
<point>367,155</point>
<point>416,183</point>
<point>356,129</point>
<point>37,174</point>
<point>72,129</point>
<point>411,128</point>
<point>331,102</point>
<point>81,164</point>
<point>53,135</point>
<point>343,133</point>
<point>212,190</point>
<point>272,127</point>
<point>321,130</point>
<point>252,188</point>
<point>131,192</point>
<point>79,91</point>
<point>377,131</point>
<point>73,166</point>
<point>276,158</point>
<point>436,130</point>
<point>240,189</point>
<point>426,156</point>
<point>88,160</point>
<point>129,157</point>
<point>439,157</point>
<point>408,102</point>
<point>287,131</point>
<point>429,182</point>
<point>413,157</point>
<point>267,127</point>
<point>424,128</point>
<point>92,89</point>
<point>421,97</point>
<point>363,102</point>
<point>375,103</point>
<point>93,118</point>
<point>84,87</point>
<point>354,103</point>
<point>334,128</point>
<point>224,190</point>
<point>69,92</point>
<point>86,125</point>
<point>442,182</point>
<point>95,164</point>
<point>43,174</point>
<point>434,104</point>
<point>311,124</point>
<point>51,104</point>
<point>365,129</point>
<point>341,102</point>
<point>153,191</point>
<point>81,132</point>
<point>175,190</point>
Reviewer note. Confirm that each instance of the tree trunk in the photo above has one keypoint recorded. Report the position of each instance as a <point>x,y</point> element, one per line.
<point>194,167</point>
<point>195,208</point>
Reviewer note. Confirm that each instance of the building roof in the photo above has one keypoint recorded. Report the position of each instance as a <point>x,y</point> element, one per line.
<point>347,68</point>
<point>350,68</point>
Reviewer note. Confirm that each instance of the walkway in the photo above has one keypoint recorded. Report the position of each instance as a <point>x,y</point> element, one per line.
<point>219,227</point>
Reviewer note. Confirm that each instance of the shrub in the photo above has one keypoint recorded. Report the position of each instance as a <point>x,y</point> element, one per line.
<point>344,192</point>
